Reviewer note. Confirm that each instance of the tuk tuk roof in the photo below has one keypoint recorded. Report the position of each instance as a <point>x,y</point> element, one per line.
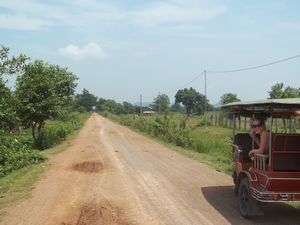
<point>265,108</point>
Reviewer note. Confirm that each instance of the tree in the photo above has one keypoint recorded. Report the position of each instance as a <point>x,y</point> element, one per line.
<point>290,92</point>
<point>100,106</point>
<point>113,107</point>
<point>192,100</point>
<point>110,105</point>
<point>8,116</point>
<point>128,108</point>
<point>118,109</point>
<point>228,98</point>
<point>199,107</point>
<point>41,91</point>
<point>187,97</point>
<point>85,101</point>
<point>278,91</point>
<point>161,103</point>
<point>177,107</point>
<point>11,65</point>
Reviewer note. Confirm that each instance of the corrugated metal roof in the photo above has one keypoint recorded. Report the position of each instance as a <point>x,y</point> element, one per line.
<point>282,101</point>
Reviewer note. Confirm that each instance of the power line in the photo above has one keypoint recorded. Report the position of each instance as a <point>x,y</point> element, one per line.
<point>253,67</point>
<point>231,71</point>
<point>188,83</point>
<point>175,90</point>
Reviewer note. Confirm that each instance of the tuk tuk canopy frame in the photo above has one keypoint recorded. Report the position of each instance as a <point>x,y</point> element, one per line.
<point>265,108</point>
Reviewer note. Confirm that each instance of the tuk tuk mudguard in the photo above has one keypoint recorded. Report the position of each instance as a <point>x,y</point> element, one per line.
<point>251,206</point>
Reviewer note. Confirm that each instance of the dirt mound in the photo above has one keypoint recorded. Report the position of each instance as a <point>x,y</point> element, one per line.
<point>98,214</point>
<point>89,166</point>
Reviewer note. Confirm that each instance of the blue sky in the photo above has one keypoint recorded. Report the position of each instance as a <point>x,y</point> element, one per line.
<point>121,49</point>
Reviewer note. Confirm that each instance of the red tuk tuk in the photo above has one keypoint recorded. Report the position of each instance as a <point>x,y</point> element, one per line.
<point>274,177</point>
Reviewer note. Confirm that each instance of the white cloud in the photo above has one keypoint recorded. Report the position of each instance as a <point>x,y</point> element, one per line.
<point>87,14</point>
<point>79,13</point>
<point>90,51</point>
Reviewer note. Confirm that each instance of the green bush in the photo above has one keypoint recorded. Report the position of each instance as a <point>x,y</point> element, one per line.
<point>56,131</point>
<point>205,122</point>
<point>105,114</point>
<point>26,140</point>
<point>15,155</point>
<point>166,128</point>
<point>52,135</point>
<point>126,120</point>
<point>18,151</point>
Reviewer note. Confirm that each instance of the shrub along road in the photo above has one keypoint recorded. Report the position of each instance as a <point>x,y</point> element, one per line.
<point>111,175</point>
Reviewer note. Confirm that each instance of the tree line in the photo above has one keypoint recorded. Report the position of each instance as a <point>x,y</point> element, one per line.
<point>187,100</point>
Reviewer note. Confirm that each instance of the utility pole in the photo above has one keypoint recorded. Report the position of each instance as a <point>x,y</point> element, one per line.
<point>141,105</point>
<point>205,98</point>
<point>158,103</point>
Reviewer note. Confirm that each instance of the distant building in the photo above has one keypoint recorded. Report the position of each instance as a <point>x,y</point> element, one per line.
<point>147,111</point>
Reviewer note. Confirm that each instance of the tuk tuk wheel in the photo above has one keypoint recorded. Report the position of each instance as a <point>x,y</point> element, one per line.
<point>245,198</point>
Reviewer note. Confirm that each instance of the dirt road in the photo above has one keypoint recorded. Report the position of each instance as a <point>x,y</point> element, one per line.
<point>112,176</point>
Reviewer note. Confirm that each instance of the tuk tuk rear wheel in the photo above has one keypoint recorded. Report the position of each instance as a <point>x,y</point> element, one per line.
<point>245,200</point>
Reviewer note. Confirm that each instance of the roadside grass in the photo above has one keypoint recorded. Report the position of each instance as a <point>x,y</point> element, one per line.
<point>18,185</point>
<point>213,160</point>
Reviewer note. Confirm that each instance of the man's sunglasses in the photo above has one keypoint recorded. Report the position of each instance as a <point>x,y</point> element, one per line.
<point>255,125</point>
